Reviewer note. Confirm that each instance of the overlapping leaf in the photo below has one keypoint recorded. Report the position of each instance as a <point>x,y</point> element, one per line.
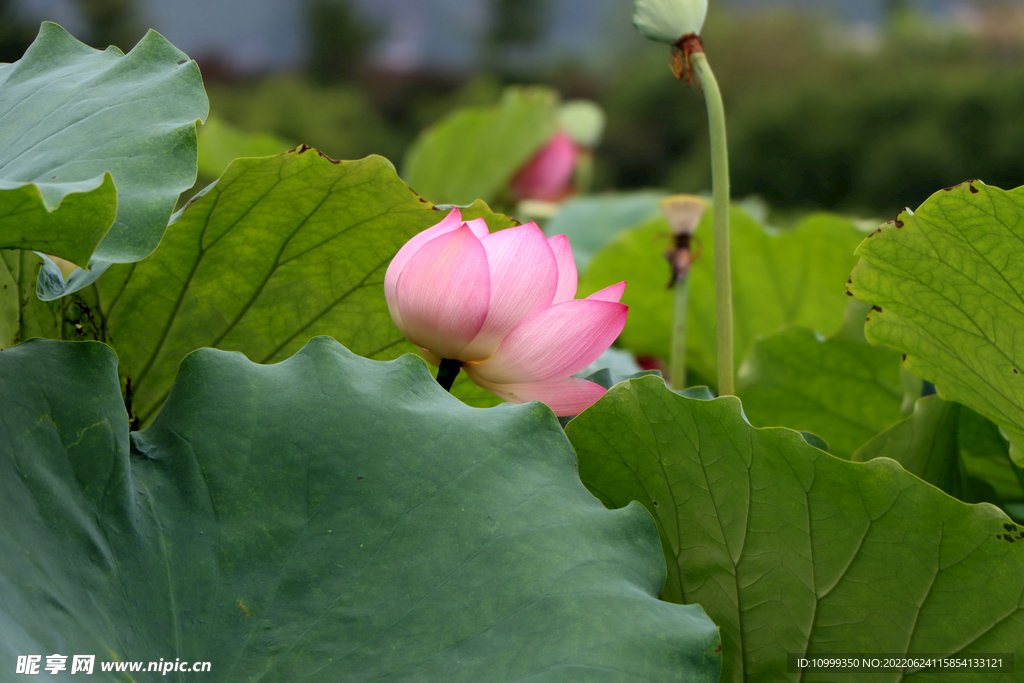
<point>64,219</point>
<point>77,122</point>
<point>925,444</point>
<point>953,448</point>
<point>792,551</point>
<point>473,153</point>
<point>281,249</point>
<point>327,518</point>
<point>948,285</point>
<point>22,314</point>
<point>985,453</point>
<point>844,391</point>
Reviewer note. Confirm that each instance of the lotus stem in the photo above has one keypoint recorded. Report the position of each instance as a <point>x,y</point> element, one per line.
<point>720,193</point>
<point>447,372</point>
<point>677,365</point>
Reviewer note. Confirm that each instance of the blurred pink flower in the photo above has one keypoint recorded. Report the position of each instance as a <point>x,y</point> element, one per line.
<point>548,175</point>
<point>503,304</point>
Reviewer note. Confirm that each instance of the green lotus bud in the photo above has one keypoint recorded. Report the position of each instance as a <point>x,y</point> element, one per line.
<point>583,120</point>
<point>669,20</point>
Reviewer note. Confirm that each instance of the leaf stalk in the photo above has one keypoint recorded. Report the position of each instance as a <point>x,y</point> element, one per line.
<point>720,194</point>
<point>447,372</point>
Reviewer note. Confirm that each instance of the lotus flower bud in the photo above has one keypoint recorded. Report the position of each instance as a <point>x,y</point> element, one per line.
<point>666,21</point>
<point>503,305</point>
<point>548,175</point>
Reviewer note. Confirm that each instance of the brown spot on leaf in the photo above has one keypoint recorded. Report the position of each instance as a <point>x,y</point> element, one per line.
<point>182,61</point>
<point>898,223</point>
<point>966,182</point>
<point>333,161</point>
<point>359,478</point>
<point>876,232</point>
<point>415,194</point>
<point>1010,527</point>
<point>1015,371</point>
<point>876,308</point>
<point>302,148</point>
<point>973,189</point>
<point>847,292</point>
<point>655,503</point>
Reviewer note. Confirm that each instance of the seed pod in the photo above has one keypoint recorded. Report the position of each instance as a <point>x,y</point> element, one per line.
<point>666,21</point>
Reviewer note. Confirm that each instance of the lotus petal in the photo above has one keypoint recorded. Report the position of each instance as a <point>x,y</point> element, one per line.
<point>524,278</point>
<point>443,293</point>
<point>555,342</point>
<point>569,396</point>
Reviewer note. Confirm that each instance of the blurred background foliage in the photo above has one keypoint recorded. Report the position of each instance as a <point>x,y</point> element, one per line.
<point>821,115</point>
<point>861,118</point>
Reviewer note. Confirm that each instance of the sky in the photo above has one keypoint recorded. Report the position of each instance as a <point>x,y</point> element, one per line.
<point>266,35</point>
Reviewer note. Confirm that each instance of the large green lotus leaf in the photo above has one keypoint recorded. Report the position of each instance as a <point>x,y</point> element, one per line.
<point>844,391</point>
<point>281,249</point>
<point>791,550</point>
<point>795,276</point>
<point>591,221</point>
<point>77,121</point>
<point>947,283</point>
<point>327,518</point>
<point>474,153</point>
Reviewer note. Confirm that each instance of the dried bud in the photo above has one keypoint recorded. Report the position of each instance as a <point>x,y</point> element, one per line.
<point>683,212</point>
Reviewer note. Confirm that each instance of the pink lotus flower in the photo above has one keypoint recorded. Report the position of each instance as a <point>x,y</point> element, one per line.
<point>503,305</point>
<point>548,175</point>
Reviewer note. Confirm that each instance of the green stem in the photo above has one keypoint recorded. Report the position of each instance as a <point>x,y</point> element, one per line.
<point>447,372</point>
<point>677,367</point>
<point>720,192</point>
